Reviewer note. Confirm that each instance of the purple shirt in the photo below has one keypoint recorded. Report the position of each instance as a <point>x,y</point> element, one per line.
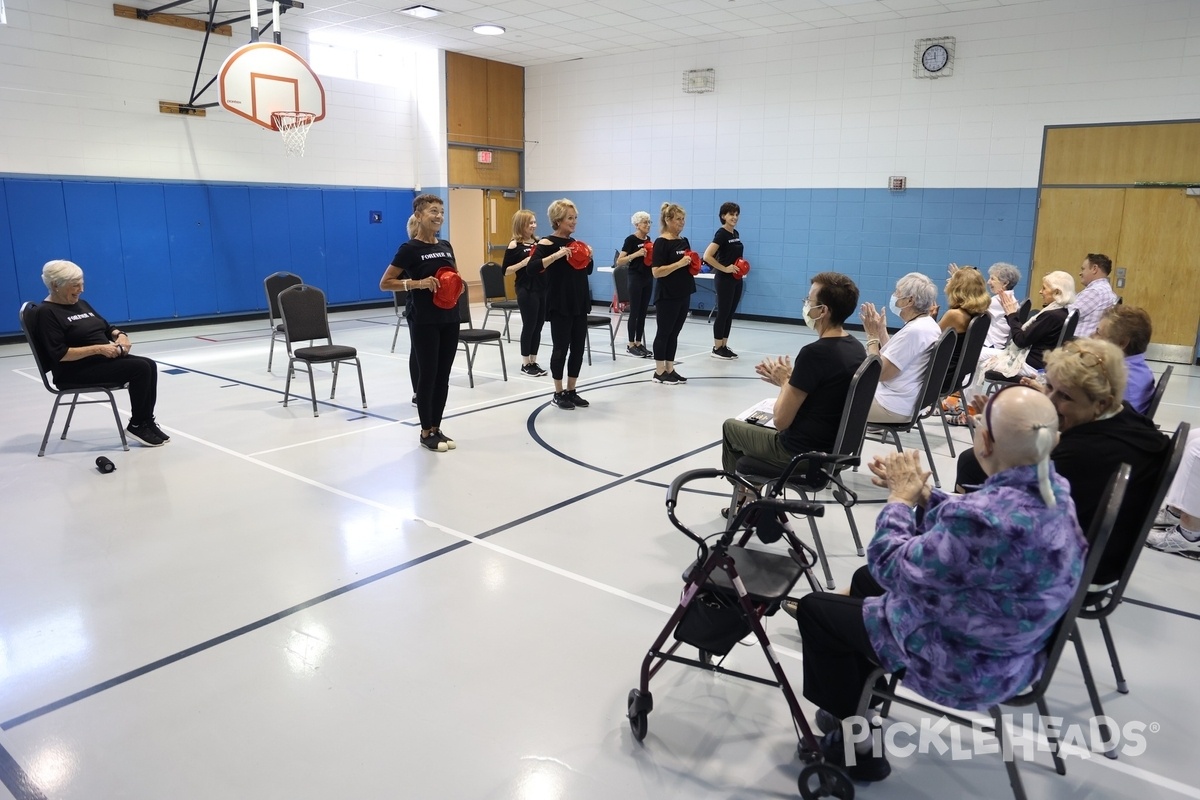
<point>1140,386</point>
<point>974,586</point>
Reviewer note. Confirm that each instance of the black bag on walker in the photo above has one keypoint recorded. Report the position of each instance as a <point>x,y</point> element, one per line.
<point>713,622</point>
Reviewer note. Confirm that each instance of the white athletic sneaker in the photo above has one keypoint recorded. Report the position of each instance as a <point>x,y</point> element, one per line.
<point>1172,540</point>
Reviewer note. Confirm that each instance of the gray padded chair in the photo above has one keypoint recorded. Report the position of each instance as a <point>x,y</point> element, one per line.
<point>471,337</point>
<point>306,318</point>
<point>62,393</point>
<point>275,283</point>
<point>495,296</point>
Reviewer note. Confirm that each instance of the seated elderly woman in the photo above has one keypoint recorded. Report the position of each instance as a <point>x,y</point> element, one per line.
<point>953,592</point>
<point>967,298</point>
<point>83,349</point>
<point>906,354</point>
<point>1178,526</point>
<point>1002,279</point>
<point>1128,327</point>
<point>1085,380</point>
<point>1039,333</point>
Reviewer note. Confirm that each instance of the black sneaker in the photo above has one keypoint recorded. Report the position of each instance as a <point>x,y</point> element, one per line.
<point>866,766</point>
<point>540,370</point>
<point>146,433</point>
<point>577,400</point>
<point>665,378</point>
<point>563,401</point>
<point>679,379</point>
<point>414,401</point>
<point>450,445</point>
<point>434,442</point>
<point>634,350</point>
<point>724,353</point>
<point>161,433</point>
<point>645,353</point>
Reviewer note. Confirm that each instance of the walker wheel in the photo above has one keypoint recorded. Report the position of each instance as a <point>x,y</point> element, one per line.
<point>638,723</point>
<point>825,780</point>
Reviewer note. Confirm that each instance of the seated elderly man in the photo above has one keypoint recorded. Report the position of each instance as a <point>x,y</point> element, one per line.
<point>906,354</point>
<point>813,393</point>
<point>1128,327</point>
<point>1178,526</point>
<point>960,591</point>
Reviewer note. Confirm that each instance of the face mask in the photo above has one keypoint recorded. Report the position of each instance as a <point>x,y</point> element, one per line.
<point>893,305</point>
<point>809,319</point>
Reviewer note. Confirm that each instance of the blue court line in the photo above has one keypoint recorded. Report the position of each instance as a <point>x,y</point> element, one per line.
<point>16,780</point>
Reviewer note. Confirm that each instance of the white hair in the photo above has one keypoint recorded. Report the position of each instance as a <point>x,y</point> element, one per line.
<point>639,217</point>
<point>1006,273</point>
<point>1045,438</point>
<point>920,288</point>
<point>60,272</point>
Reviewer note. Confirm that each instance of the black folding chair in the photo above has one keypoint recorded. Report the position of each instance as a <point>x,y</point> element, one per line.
<point>471,337</point>
<point>26,317</point>
<point>1035,694</point>
<point>1160,388</point>
<point>275,283</point>
<point>495,296</point>
<point>964,372</point>
<point>306,318</point>
<point>621,290</point>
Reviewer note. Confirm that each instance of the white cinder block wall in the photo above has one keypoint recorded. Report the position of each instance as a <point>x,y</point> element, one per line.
<point>79,93</point>
<point>840,108</point>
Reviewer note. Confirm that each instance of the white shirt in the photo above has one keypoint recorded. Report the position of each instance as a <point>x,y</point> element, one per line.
<point>998,333</point>
<point>909,350</point>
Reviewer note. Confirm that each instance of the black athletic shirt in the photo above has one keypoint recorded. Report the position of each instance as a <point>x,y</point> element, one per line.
<point>680,284</point>
<point>57,328</point>
<point>417,260</point>
<point>823,371</point>
<point>526,279</point>
<point>567,289</point>
<point>729,250</point>
<point>637,266</point>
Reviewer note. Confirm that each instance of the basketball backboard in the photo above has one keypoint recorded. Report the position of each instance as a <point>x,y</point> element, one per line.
<point>259,79</point>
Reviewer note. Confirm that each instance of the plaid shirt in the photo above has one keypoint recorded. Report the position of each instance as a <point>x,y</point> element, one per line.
<point>1096,298</point>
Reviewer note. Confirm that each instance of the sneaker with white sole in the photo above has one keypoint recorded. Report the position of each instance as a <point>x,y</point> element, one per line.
<point>146,433</point>
<point>563,400</point>
<point>533,370</point>
<point>1166,518</point>
<point>723,353</point>
<point>434,442</point>
<point>679,379</point>
<point>665,378</point>
<point>161,433</point>
<point>634,351</point>
<point>577,400</point>
<point>1173,540</point>
<point>450,445</point>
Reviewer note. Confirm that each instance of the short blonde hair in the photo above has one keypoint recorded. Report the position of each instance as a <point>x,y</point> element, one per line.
<point>1062,284</point>
<point>520,220</point>
<point>60,272</point>
<point>1093,366</point>
<point>557,211</point>
<point>968,291</point>
<point>669,211</point>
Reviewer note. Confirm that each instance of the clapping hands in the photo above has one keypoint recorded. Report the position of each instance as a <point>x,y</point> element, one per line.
<point>902,474</point>
<point>776,371</point>
<point>874,321</point>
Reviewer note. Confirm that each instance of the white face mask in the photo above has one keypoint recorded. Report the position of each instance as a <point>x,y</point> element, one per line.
<point>809,319</point>
<point>893,305</point>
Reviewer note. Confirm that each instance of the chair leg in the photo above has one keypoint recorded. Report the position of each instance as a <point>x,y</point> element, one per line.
<point>816,534</point>
<point>1106,738</point>
<point>70,415</point>
<point>1059,766</point>
<point>271,351</point>
<point>312,388</point>
<point>507,318</point>
<point>287,386</point>
<point>333,388</point>
<point>112,402</point>
<point>1122,686</point>
<point>396,333</point>
<point>588,339</point>
<point>854,532</point>
<point>503,366</point>
<point>928,454</point>
<point>470,365</point>
<point>1010,758</point>
<point>612,340</point>
<point>946,428</point>
<point>49,425</point>
<point>362,388</point>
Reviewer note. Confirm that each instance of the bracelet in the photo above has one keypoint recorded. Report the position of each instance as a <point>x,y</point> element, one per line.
<point>872,342</point>
<point>406,284</point>
<point>120,350</point>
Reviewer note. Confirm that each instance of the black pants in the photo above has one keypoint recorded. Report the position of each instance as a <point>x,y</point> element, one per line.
<point>533,317</point>
<point>729,294</point>
<point>671,316</point>
<point>433,347</point>
<point>568,337</point>
<point>139,372</point>
<point>639,301</point>
<point>838,655</point>
<point>969,471</point>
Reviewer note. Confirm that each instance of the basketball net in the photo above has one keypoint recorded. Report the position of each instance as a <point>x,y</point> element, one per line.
<point>293,125</point>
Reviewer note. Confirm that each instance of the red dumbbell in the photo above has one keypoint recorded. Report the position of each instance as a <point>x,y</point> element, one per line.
<point>450,286</point>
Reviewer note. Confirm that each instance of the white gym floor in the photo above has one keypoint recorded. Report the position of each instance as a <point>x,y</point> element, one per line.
<point>280,606</point>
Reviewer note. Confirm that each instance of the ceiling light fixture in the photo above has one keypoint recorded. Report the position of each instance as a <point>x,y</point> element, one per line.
<point>488,30</point>
<point>420,12</point>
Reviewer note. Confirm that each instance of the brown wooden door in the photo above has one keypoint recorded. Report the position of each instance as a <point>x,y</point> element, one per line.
<point>1071,224</point>
<point>498,209</point>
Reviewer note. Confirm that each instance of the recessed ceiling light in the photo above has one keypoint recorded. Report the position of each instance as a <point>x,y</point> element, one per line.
<point>488,30</point>
<point>420,12</point>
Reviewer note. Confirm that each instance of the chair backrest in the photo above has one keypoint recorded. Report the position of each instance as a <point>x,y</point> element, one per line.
<point>27,317</point>
<point>1097,536</point>
<point>968,358</point>
<point>1023,311</point>
<point>621,282</point>
<point>400,301</point>
<point>275,283</point>
<point>1068,329</point>
<point>305,318</point>
<point>464,307</point>
<point>853,427</point>
<point>935,372</point>
<point>1160,389</point>
<point>491,275</point>
<point>1162,484</point>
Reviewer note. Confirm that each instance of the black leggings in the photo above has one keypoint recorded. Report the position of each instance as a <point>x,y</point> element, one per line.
<point>433,347</point>
<point>568,332</point>
<point>639,301</point>
<point>729,294</point>
<point>533,317</point>
<point>838,654</point>
<point>139,372</point>
<point>671,316</point>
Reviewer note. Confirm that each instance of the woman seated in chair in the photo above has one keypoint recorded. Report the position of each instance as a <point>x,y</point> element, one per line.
<point>1038,335</point>
<point>1129,328</point>
<point>951,593</point>
<point>905,355</point>
<point>83,349</point>
<point>966,298</point>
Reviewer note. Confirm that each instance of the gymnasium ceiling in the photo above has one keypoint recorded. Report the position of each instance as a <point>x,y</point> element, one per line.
<point>549,31</point>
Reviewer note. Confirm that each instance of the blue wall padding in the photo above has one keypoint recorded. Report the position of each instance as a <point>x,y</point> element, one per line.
<point>158,251</point>
<point>873,235</point>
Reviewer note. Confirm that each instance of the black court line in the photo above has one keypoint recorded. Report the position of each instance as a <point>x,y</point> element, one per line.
<point>125,677</point>
<point>1157,607</point>
<point>16,780</point>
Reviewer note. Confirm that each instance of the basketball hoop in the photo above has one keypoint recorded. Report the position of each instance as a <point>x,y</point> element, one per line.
<point>294,126</point>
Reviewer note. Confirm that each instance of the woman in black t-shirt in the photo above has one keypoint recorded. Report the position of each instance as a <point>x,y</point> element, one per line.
<point>531,289</point>
<point>641,282</point>
<point>675,289</point>
<point>726,248</point>
<point>433,330</point>
<point>568,299</point>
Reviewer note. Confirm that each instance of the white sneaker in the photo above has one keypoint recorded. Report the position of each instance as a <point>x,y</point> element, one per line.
<point>1166,518</point>
<point>1172,540</point>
